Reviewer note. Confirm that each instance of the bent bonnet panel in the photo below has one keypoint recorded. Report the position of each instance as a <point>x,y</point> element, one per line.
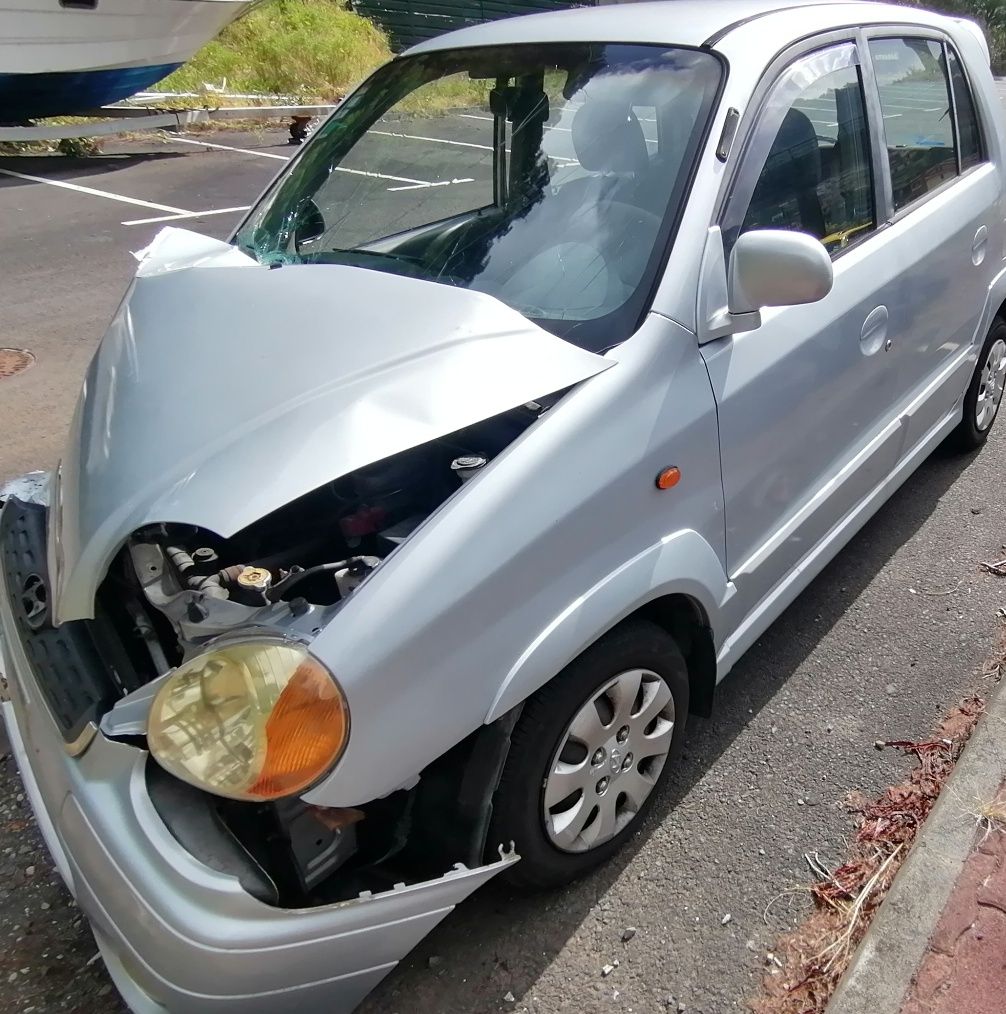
<point>221,393</point>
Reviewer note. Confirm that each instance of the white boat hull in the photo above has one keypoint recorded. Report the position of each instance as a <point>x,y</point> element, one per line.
<point>42,37</point>
<point>56,59</point>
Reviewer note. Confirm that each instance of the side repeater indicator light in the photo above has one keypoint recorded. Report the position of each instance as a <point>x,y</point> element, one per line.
<point>668,478</point>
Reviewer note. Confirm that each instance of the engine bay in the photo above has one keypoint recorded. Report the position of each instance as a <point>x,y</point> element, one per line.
<point>173,588</point>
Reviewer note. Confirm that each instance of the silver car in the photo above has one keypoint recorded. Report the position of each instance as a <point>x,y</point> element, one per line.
<point>395,540</point>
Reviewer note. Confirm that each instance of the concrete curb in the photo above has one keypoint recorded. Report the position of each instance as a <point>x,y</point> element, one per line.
<point>882,967</point>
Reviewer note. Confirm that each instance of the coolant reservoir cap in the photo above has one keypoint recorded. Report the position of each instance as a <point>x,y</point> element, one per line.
<point>255,577</point>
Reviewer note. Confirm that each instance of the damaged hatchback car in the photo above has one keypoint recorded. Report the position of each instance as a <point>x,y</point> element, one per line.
<point>395,539</point>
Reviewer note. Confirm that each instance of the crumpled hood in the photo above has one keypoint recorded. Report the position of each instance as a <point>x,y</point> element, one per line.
<point>224,390</point>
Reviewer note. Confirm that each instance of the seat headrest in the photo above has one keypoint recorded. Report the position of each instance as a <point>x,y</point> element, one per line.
<point>607,138</point>
<point>796,151</point>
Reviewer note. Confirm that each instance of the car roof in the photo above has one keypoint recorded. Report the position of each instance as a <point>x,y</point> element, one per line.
<point>672,22</point>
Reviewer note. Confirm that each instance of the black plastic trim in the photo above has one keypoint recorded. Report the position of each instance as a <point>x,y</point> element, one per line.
<point>77,684</point>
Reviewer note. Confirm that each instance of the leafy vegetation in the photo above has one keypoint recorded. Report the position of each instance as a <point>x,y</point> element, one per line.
<point>990,14</point>
<point>310,49</point>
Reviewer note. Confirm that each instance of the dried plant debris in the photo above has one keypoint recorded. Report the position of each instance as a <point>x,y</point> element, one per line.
<point>990,816</point>
<point>806,964</point>
<point>998,568</point>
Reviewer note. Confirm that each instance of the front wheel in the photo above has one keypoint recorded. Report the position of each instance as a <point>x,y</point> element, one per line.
<point>985,392</point>
<point>588,753</point>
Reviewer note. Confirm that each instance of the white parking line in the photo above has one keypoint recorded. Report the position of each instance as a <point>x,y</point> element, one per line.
<point>548,128</point>
<point>435,140</point>
<point>426,186</point>
<point>286,158</point>
<point>186,214</point>
<point>94,193</point>
<point>228,147</point>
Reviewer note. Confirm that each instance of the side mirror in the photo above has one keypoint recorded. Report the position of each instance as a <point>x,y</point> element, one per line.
<point>777,267</point>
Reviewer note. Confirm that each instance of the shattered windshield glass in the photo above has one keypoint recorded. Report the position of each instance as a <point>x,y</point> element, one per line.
<point>548,176</point>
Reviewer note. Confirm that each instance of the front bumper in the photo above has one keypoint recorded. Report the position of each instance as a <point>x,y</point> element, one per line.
<point>176,935</point>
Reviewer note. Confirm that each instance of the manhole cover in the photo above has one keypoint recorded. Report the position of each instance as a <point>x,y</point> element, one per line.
<point>14,361</point>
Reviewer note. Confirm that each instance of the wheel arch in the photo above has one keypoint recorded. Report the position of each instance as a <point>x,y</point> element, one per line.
<point>679,584</point>
<point>684,618</point>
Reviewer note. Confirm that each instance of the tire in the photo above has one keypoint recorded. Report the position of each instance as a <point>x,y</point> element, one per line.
<point>543,741</point>
<point>984,394</point>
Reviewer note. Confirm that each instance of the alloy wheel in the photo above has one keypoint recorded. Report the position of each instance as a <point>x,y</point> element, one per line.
<point>993,382</point>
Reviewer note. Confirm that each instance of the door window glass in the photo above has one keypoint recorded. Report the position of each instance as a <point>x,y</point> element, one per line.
<point>968,132</point>
<point>818,177</point>
<point>915,100</point>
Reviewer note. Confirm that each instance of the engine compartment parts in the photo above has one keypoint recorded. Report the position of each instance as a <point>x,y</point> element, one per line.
<point>250,721</point>
<point>253,720</point>
<point>314,552</point>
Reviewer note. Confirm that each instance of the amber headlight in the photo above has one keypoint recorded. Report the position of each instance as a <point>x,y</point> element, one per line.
<point>249,720</point>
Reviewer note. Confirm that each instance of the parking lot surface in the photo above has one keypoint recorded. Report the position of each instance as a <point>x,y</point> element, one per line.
<point>886,639</point>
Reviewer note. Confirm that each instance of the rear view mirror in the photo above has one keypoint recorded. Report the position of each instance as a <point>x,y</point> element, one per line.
<point>777,267</point>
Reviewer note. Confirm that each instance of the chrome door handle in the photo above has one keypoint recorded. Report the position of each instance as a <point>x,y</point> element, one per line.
<point>873,337</point>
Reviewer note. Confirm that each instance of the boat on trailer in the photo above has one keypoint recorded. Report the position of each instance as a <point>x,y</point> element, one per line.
<point>60,57</point>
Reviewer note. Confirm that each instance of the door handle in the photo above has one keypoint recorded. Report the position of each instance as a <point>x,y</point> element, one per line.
<point>979,246</point>
<point>873,337</point>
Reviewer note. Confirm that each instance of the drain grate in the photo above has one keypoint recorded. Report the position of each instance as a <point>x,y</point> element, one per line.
<point>14,361</point>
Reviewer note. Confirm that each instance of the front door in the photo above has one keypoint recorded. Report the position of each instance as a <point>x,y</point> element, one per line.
<point>804,401</point>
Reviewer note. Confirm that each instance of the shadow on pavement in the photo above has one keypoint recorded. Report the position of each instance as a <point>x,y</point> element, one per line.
<point>61,167</point>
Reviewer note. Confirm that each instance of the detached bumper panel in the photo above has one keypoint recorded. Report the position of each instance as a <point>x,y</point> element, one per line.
<point>179,937</point>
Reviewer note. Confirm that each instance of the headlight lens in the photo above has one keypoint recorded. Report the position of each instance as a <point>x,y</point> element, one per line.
<point>252,720</point>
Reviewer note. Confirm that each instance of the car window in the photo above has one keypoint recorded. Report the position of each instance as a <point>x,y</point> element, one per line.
<point>915,100</point>
<point>547,176</point>
<point>968,131</point>
<point>818,177</point>
<point>382,186</point>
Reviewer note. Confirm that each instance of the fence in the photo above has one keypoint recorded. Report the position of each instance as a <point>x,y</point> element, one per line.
<point>408,22</point>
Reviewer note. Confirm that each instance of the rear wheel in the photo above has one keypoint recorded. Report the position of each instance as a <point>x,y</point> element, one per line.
<point>985,392</point>
<point>588,753</point>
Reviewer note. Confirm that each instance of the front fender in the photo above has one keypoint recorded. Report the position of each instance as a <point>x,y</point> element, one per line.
<point>650,575</point>
<point>530,562</point>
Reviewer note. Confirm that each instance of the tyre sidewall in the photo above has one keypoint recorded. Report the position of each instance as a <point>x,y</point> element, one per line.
<point>970,436</point>
<point>518,803</point>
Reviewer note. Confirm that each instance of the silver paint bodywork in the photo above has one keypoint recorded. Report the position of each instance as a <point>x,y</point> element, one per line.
<point>788,435</point>
<point>195,412</point>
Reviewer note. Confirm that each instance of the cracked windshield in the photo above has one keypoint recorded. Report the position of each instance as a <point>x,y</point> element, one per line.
<point>555,191</point>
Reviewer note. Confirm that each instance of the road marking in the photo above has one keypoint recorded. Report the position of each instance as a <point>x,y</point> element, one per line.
<point>228,147</point>
<point>548,128</point>
<point>187,214</point>
<point>435,140</point>
<point>426,186</point>
<point>94,193</point>
<point>286,158</point>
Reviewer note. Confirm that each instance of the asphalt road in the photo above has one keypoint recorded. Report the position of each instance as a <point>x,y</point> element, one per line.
<point>891,635</point>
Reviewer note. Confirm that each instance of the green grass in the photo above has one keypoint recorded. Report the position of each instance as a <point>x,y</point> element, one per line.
<point>312,49</point>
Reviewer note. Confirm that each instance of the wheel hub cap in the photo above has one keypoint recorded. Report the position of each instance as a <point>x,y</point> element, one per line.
<point>993,382</point>
<point>608,761</point>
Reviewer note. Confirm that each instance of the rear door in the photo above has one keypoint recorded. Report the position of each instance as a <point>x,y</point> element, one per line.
<point>943,193</point>
<point>805,401</point>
